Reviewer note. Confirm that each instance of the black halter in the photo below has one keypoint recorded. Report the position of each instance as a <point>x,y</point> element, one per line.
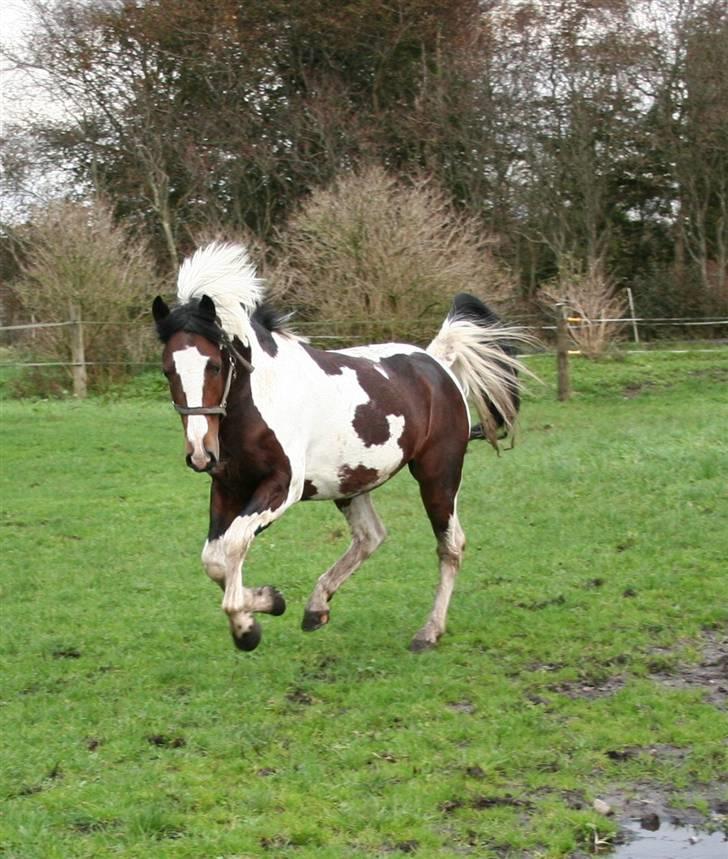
<point>234,358</point>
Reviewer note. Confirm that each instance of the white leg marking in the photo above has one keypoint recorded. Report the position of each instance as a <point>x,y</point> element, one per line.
<point>235,543</point>
<point>213,560</point>
<point>450,552</point>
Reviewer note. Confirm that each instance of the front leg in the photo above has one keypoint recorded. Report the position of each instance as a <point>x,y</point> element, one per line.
<point>230,537</point>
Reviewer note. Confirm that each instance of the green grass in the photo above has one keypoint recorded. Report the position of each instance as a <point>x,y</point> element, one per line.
<point>129,726</point>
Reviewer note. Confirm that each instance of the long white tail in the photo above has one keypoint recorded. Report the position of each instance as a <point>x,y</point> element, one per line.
<point>480,352</point>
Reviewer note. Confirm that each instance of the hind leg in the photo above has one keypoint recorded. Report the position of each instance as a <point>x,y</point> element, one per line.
<point>367,534</point>
<point>439,489</point>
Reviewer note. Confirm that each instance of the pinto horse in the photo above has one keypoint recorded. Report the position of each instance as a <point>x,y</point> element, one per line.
<point>274,421</point>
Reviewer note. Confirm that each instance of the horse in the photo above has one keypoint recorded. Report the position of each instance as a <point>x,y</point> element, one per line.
<point>274,421</point>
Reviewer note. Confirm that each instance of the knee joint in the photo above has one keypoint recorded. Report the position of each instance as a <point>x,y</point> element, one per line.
<point>213,560</point>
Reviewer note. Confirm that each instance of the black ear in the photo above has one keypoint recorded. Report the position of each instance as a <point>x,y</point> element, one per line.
<point>207,308</point>
<point>160,310</point>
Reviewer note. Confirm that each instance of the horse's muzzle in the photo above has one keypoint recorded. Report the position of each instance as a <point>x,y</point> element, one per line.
<point>208,466</point>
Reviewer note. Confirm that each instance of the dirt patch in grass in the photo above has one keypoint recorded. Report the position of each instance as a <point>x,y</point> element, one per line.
<point>660,751</point>
<point>62,652</point>
<point>162,741</point>
<point>483,802</point>
<point>634,389</point>
<point>589,688</point>
<point>645,386</point>
<point>409,846</point>
<point>86,825</point>
<point>52,775</point>
<point>299,696</point>
<point>709,674</point>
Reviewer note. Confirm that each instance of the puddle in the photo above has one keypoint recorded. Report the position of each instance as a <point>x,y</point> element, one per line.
<point>653,838</point>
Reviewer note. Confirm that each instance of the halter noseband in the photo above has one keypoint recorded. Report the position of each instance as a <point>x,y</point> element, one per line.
<point>235,358</point>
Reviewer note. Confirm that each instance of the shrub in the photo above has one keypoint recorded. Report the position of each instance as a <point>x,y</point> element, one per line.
<point>75,254</point>
<point>382,259</point>
<point>589,297</point>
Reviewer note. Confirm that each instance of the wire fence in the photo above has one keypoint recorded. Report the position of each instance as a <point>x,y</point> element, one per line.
<point>559,339</point>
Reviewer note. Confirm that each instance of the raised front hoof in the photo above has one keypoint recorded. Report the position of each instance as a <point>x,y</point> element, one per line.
<point>314,620</point>
<point>279,603</point>
<point>249,640</point>
<point>420,645</point>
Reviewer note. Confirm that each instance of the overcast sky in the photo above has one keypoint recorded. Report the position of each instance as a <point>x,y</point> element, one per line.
<point>19,98</point>
<point>14,98</point>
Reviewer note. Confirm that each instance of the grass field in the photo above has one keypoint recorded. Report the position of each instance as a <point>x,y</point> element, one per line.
<point>595,573</point>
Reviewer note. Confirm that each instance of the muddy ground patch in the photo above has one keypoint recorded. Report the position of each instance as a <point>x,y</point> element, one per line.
<point>709,674</point>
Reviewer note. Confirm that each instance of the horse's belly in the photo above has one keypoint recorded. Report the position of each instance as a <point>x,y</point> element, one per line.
<point>344,465</point>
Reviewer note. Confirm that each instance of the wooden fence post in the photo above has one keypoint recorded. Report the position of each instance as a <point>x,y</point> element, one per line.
<point>562,354</point>
<point>78,357</point>
<point>635,330</point>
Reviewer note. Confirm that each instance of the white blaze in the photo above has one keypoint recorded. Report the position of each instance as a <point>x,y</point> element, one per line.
<point>190,365</point>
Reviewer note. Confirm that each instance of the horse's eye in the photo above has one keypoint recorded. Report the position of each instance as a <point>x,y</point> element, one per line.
<point>214,369</point>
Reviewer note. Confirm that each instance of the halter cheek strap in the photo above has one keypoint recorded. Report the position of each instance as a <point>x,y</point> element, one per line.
<point>235,358</point>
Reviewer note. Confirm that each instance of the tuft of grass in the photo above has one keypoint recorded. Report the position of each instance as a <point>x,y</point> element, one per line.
<point>596,558</point>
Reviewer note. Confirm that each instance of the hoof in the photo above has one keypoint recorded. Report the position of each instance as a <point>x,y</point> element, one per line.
<point>419,645</point>
<point>249,640</point>
<point>279,604</point>
<point>314,620</point>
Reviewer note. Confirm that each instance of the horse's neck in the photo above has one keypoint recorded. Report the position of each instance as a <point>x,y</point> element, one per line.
<point>250,400</point>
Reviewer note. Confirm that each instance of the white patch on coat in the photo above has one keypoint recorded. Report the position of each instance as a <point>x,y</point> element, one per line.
<point>190,365</point>
<point>377,351</point>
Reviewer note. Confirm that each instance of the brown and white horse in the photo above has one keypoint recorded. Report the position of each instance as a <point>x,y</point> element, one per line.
<point>274,421</point>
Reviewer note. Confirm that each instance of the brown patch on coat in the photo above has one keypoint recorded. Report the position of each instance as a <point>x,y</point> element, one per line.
<point>354,480</point>
<point>370,424</point>
<point>331,363</point>
<point>310,490</point>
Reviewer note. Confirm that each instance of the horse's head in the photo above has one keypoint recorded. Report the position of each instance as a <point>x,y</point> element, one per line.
<point>200,366</point>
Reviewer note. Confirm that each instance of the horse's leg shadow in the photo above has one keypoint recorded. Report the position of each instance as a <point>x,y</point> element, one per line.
<point>367,534</point>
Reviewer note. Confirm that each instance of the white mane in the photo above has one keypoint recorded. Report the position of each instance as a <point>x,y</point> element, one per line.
<point>225,273</point>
